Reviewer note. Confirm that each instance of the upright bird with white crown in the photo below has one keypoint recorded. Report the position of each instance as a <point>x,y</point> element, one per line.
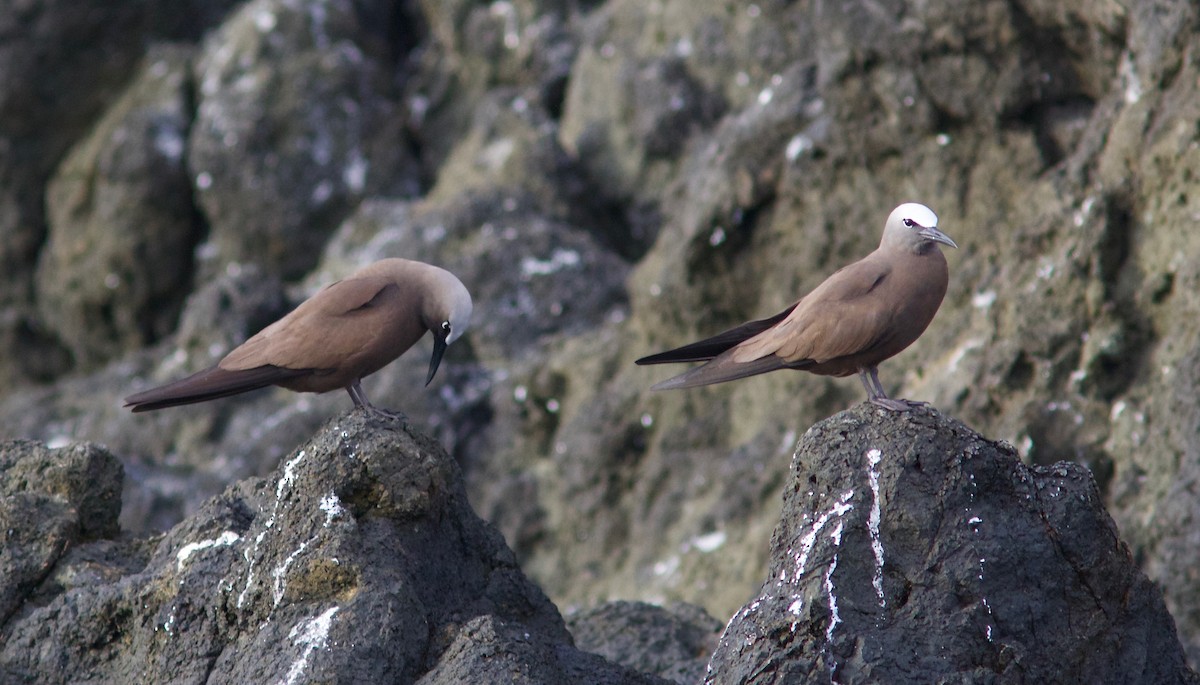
<point>861,315</point>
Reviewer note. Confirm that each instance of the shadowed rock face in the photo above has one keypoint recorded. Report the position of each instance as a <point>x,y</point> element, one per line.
<point>62,69</point>
<point>673,642</point>
<point>912,550</point>
<point>115,205</point>
<point>358,561</point>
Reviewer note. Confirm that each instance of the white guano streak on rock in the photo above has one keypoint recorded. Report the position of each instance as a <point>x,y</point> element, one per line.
<point>974,523</point>
<point>806,543</point>
<point>873,519</point>
<point>311,635</point>
<point>279,573</point>
<point>834,617</point>
<point>289,475</point>
<point>224,540</point>
<point>251,554</point>
<point>332,506</point>
<point>838,509</point>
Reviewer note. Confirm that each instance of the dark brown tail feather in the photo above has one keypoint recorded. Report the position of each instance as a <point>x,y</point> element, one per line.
<point>711,347</point>
<point>722,369</point>
<point>210,384</point>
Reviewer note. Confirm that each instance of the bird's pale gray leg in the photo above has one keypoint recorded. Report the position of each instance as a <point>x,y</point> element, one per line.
<point>361,402</point>
<point>866,383</point>
<point>877,396</point>
<point>357,394</point>
<point>875,393</point>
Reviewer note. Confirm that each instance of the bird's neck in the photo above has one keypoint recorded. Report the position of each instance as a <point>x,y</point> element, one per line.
<point>923,248</point>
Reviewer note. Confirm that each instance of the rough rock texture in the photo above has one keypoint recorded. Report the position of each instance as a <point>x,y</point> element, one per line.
<point>912,550</point>
<point>50,500</point>
<point>120,201</point>
<point>611,178</point>
<point>295,122</point>
<point>61,64</point>
<point>671,642</point>
<point>358,561</point>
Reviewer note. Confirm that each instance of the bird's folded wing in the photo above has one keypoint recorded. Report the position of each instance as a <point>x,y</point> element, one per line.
<point>323,331</point>
<point>708,348</point>
<point>845,315</point>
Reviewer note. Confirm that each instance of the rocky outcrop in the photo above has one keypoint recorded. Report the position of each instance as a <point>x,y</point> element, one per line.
<point>296,120</point>
<point>62,64</point>
<point>359,560</point>
<point>912,550</point>
<point>51,501</point>
<point>119,201</point>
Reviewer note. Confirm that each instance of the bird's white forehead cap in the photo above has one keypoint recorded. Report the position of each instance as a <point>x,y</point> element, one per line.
<point>916,211</point>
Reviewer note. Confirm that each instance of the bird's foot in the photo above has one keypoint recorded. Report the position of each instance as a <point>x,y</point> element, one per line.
<point>361,402</point>
<point>896,405</point>
<point>385,413</point>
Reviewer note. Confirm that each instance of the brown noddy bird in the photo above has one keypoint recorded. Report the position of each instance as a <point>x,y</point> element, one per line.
<point>861,315</point>
<point>347,331</point>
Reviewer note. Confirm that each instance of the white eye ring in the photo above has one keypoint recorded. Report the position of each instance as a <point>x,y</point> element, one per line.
<point>910,223</point>
<point>446,326</point>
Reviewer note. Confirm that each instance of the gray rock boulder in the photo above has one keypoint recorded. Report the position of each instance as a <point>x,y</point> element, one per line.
<point>912,550</point>
<point>295,123</point>
<point>472,49</point>
<point>671,642</point>
<point>50,501</point>
<point>359,560</point>
<point>62,62</point>
<point>122,228</point>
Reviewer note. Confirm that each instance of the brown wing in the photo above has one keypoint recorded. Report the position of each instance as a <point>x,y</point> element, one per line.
<point>846,314</point>
<point>323,332</point>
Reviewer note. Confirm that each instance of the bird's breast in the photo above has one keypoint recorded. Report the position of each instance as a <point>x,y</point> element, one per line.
<point>915,290</point>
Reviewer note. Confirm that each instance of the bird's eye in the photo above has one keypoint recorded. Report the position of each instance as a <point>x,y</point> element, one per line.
<point>910,223</point>
<point>446,327</point>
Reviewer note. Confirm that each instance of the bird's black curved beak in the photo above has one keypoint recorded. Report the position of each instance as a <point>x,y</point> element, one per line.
<point>932,233</point>
<point>439,348</point>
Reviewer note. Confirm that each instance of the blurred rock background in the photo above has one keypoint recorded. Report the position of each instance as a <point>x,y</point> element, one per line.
<point>610,179</point>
